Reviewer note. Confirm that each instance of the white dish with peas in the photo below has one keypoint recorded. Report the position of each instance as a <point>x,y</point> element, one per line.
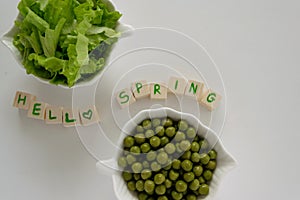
<point>167,154</point>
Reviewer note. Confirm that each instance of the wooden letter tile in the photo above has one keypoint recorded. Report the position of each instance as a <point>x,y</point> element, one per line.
<point>22,100</point>
<point>140,89</point>
<point>37,110</point>
<point>210,100</point>
<point>70,117</point>
<point>54,115</point>
<point>158,91</point>
<point>194,89</point>
<point>125,97</point>
<point>177,85</point>
<point>89,116</point>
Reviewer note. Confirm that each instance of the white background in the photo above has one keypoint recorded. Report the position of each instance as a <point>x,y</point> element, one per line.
<point>256,45</point>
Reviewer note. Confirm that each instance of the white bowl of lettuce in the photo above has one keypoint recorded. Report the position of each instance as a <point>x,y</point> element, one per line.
<point>64,43</point>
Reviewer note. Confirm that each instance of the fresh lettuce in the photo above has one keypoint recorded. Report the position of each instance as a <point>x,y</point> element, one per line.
<point>65,41</point>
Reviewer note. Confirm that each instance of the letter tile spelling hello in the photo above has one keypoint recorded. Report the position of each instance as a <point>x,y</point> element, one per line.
<point>89,116</point>
<point>22,100</point>
<point>71,117</point>
<point>54,115</point>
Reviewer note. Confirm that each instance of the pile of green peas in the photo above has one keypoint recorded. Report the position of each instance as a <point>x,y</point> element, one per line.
<point>166,159</point>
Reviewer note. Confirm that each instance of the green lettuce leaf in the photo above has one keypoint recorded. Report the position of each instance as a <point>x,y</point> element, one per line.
<point>49,42</point>
<point>65,41</point>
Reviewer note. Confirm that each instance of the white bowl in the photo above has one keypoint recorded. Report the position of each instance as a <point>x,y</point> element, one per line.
<point>225,160</point>
<point>7,40</point>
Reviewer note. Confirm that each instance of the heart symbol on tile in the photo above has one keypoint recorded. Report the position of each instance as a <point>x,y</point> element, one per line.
<point>88,114</point>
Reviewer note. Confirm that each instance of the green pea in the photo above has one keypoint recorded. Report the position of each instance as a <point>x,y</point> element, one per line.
<point>201,179</point>
<point>170,148</point>
<point>187,155</point>
<point>162,158</point>
<point>191,133</point>
<point>126,176</point>
<point>195,157</point>
<point>128,141</point>
<point>131,185</point>
<point>181,186</point>
<point>173,175</point>
<point>211,165</point>
<point>139,129</point>
<point>204,158</point>
<point>156,122</point>
<point>160,131</point>
<point>145,148</point>
<point>195,147</point>
<point>212,154</point>
<point>196,192</point>
<point>185,145</point>
<point>183,125</point>
<point>151,198</point>
<point>207,174</point>
<point>160,190</point>
<point>167,122</point>
<point>139,138</point>
<point>146,124</point>
<point>179,136</point>
<point>191,197</point>
<point>142,196</point>
<point>159,179</point>
<point>155,166</point>
<point>155,141</point>
<point>197,138</point>
<point>176,164</point>
<point>187,165</point>
<point>168,183</point>
<point>164,141</point>
<point>135,149</point>
<point>151,156</point>
<point>176,195</point>
<point>139,185</point>
<point>146,164</point>
<point>137,177</point>
<point>203,144</point>
<point>168,165</point>
<point>198,170</point>
<point>126,151</point>
<point>162,198</point>
<point>149,186</point>
<point>130,159</point>
<point>122,162</point>
<point>170,132</point>
<point>188,177</point>
<point>203,189</point>
<point>149,133</point>
<point>194,185</point>
<point>146,174</point>
<point>164,172</point>
<point>178,149</point>
<point>137,167</point>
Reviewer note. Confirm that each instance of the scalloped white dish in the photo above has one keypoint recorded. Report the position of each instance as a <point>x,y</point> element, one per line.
<point>225,160</point>
<point>7,40</point>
